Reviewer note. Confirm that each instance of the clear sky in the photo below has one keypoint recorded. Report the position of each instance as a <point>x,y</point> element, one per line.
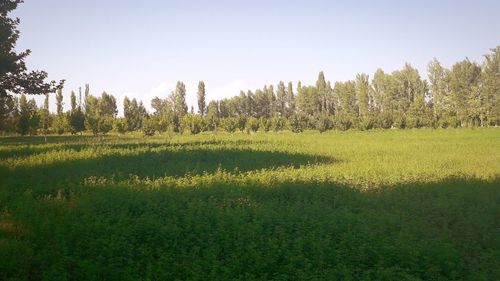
<point>141,48</point>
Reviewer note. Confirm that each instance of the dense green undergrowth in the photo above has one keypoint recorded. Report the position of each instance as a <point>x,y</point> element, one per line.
<point>378,205</point>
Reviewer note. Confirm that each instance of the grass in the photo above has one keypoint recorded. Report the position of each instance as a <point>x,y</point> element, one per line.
<point>377,205</point>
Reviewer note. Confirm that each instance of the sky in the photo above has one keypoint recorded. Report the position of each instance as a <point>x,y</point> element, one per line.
<point>140,49</point>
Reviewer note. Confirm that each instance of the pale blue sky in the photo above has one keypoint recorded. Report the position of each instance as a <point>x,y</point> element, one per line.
<point>141,48</point>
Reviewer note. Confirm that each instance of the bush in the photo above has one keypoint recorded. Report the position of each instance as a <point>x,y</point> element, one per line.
<point>229,124</point>
<point>76,121</point>
<point>265,124</point>
<point>193,123</point>
<point>342,122</point>
<point>366,123</point>
<point>242,121</point>
<point>120,125</point>
<point>384,120</point>
<point>148,126</point>
<point>61,125</point>
<point>278,123</point>
<point>399,122</point>
<point>413,122</point>
<point>163,123</point>
<point>323,123</point>
<point>296,123</point>
<point>252,124</point>
<point>105,125</point>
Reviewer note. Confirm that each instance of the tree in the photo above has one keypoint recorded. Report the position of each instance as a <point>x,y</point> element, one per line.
<point>86,95</point>
<point>262,103</point>
<point>490,89</point>
<point>290,100</point>
<point>107,105</point>
<point>281,99</point>
<point>321,102</point>
<point>408,86</point>
<point>346,99</point>
<point>59,102</point>
<point>212,116</point>
<point>24,116</point>
<point>14,76</point>
<point>73,101</point>
<point>179,100</point>
<point>45,117</point>
<point>464,84</point>
<point>76,117</point>
<point>34,118</point>
<point>308,100</point>
<point>362,94</point>
<point>201,98</point>
<point>439,89</point>
<point>9,113</point>
<point>271,97</point>
<point>132,114</point>
<point>163,114</point>
<point>101,113</point>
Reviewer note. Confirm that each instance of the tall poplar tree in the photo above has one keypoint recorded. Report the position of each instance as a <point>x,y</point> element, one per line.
<point>201,98</point>
<point>362,94</point>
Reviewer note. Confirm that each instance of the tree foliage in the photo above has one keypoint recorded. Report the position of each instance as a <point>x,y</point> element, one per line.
<point>14,75</point>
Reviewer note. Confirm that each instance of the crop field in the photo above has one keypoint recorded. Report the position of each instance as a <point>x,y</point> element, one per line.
<point>376,205</point>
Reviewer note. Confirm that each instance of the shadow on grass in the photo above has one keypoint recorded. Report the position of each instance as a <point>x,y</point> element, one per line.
<point>445,230</point>
<point>185,159</point>
<point>27,146</point>
<point>38,140</point>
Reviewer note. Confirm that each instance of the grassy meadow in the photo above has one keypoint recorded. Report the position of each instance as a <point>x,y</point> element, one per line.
<point>375,205</point>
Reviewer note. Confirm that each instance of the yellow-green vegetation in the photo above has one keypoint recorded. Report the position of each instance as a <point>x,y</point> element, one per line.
<point>374,205</point>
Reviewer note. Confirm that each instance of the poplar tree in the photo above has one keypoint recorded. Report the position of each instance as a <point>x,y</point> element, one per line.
<point>490,81</point>
<point>45,117</point>
<point>439,89</point>
<point>290,100</point>
<point>59,102</point>
<point>201,98</point>
<point>281,99</point>
<point>179,99</point>
<point>464,85</point>
<point>362,94</point>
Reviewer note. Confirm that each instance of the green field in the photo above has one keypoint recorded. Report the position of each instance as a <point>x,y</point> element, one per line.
<point>376,205</point>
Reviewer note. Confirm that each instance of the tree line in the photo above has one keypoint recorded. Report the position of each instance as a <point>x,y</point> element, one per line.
<point>467,95</point>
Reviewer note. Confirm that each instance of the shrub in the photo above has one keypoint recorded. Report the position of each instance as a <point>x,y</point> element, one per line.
<point>229,124</point>
<point>342,122</point>
<point>105,125</point>
<point>278,123</point>
<point>399,121</point>
<point>265,124</point>
<point>296,123</point>
<point>61,125</point>
<point>242,121</point>
<point>148,126</point>
<point>193,123</point>
<point>323,123</point>
<point>120,125</point>
<point>366,123</point>
<point>384,120</point>
<point>252,124</point>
